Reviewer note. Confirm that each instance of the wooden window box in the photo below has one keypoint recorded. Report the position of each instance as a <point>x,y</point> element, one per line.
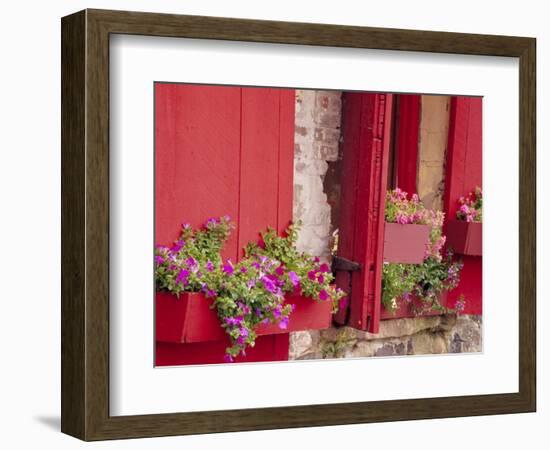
<point>190,318</point>
<point>465,238</point>
<point>405,243</point>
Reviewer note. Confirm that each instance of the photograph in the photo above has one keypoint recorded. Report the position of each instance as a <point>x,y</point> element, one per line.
<point>308,224</point>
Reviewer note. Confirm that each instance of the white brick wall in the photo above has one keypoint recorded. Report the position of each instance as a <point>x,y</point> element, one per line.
<point>317,135</point>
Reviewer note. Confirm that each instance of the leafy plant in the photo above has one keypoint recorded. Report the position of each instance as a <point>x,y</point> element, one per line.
<point>249,292</point>
<point>471,207</point>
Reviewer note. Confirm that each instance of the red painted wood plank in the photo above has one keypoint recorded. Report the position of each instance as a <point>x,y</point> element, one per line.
<point>464,173</point>
<point>267,348</point>
<point>365,165</point>
<point>351,130</point>
<point>197,142</point>
<point>287,102</point>
<point>406,144</point>
<point>378,168</point>
<point>259,174</point>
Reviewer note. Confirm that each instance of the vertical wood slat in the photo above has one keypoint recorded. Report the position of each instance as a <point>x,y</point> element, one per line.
<point>286,157</point>
<point>351,127</point>
<point>259,160</point>
<point>377,138</point>
<point>406,143</point>
<point>464,173</point>
<point>367,133</point>
<point>197,147</point>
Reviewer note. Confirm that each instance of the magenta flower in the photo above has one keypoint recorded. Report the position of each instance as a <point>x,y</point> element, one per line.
<point>321,279</point>
<point>283,324</point>
<point>294,279</point>
<point>401,219</point>
<point>183,275</point>
<point>159,260</point>
<point>280,271</point>
<point>324,268</point>
<point>244,308</point>
<point>177,246</point>
<point>228,358</point>
<point>232,321</point>
<point>209,266</point>
<point>323,295</point>
<point>269,285</point>
<point>312,275</point>
<point>228,267</point>
<point>244,269</point>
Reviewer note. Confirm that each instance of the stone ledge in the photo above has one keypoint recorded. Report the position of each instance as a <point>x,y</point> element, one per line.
<point>393,328</point>
<point>411,336</point>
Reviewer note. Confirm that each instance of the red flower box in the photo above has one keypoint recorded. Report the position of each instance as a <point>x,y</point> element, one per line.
<point>407,309</point>
<point>190,318</point>
<point>405,243</point>
<point>465,238</point>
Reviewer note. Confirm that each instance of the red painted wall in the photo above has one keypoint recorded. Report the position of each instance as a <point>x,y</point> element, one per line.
<point>222,150</point>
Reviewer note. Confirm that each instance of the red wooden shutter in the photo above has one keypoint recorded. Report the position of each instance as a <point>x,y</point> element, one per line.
<point>366,140</point>
<point>464,173</point>
<point>222,151</point>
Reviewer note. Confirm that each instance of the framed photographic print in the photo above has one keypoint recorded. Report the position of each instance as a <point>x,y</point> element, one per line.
<point>272,225</point>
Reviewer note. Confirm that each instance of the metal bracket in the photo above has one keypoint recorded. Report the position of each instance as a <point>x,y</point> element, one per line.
<point>340,264</point>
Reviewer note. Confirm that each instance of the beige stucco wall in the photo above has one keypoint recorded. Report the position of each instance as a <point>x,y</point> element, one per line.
<point>434,130</point>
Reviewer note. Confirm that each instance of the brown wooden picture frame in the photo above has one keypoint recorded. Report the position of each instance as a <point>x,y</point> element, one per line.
<point>85,224</point>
